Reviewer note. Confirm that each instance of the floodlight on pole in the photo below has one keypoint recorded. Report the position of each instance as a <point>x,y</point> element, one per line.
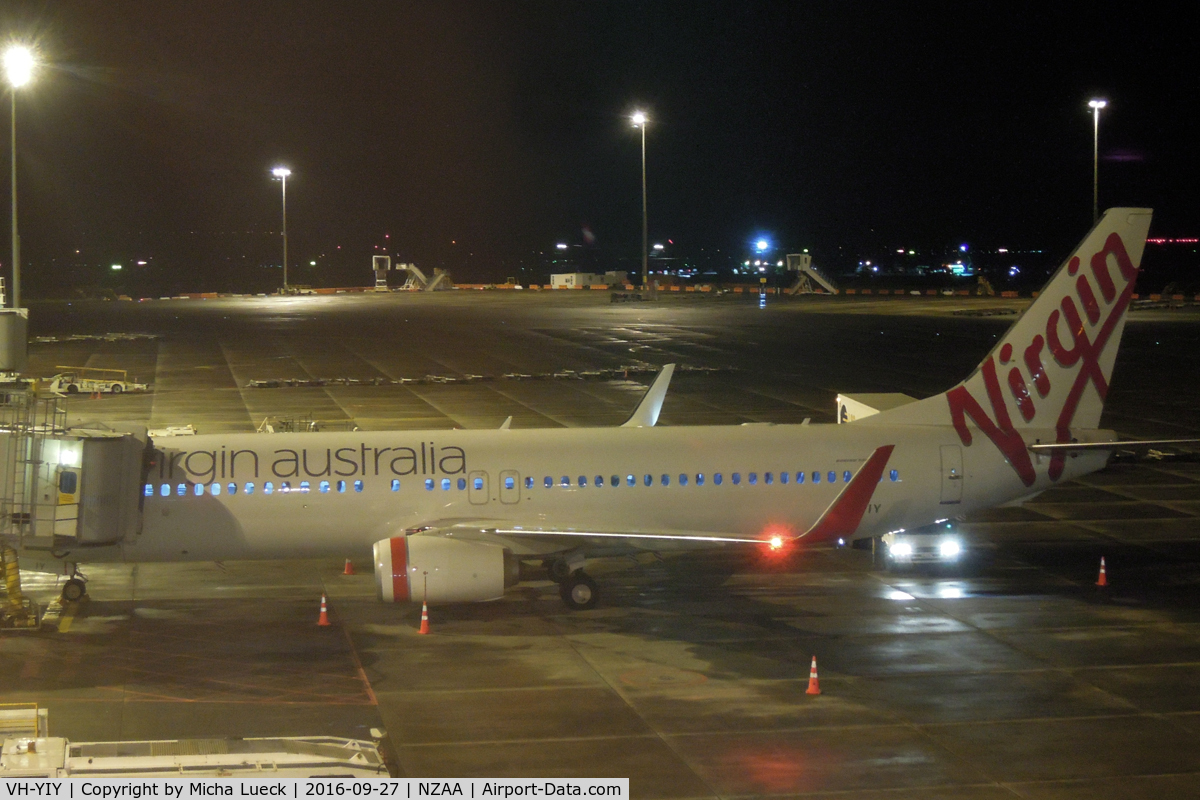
<point>1096,104</point>
<point>282,173</point>
<point>19,62</point>
<point>639,120</point>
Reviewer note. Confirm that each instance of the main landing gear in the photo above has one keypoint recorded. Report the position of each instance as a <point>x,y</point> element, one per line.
<point>575,586</point>
<point>75,588</point>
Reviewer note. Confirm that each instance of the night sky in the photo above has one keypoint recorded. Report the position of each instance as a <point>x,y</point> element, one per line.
<point>474,134</point>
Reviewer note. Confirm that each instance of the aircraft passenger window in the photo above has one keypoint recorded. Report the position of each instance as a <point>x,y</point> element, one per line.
<point>478,483</point>
<point>799,478</point>
<point>783,477</point>
<point>548,482</point>
<point>232,488</point>
<point>181,489</point>
<point>324,487</point>
<point>717,478</point>
<point>304,487</point>
<point>846,476</point>
<point>615,480</point>
<point>341,486</point>
<point>648,480</point>
<point>528,483</point>
<point>583,480</point>
<point>816,477</point>
<point>666,480</point>
<point>832,477</point>
<point>395,485</point>
<point>268,487</point>
<point>736,478</point>
<point>683,479</point>
<point>215,489</point>
<point>285,487</point>
<point>148,491</point>
<point>753,478</point>
<point>445,485</point>
<point>630,480</point>
<point>462,484</point>
<point>509,483</point>
<point>599,480</point>
<point>428,485</point>
<point>699,478</point>
<point>768,478</point>
<point>198,489</point>
<point>566,481</point>
<point>249,488</point>
<point>894,475</point>
<point>358,486</point>
<point>165,491</point>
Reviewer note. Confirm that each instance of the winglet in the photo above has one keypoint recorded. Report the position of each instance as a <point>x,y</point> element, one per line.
<point>506,424</point>
<point>846,511</point>
<point>646,414</point>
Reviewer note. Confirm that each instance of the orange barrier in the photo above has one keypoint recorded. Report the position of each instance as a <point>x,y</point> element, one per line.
<point>814,686</point>
<point>424,617</point>
<point>349,570</point>
<point>323,620</point>
<point>1103,579</point>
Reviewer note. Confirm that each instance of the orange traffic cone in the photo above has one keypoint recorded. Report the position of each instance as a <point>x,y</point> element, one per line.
<point>424,618</point>
<point>814,686</point>
<point>323,620</point>
<point>349,570</point>
<point>1103,579</point>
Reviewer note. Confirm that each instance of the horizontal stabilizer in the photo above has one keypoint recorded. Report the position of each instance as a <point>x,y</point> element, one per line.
<point>846,511</point>
<point>646,414</point>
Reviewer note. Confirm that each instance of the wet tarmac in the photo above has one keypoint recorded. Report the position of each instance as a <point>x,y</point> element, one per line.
<point>1011,675</point>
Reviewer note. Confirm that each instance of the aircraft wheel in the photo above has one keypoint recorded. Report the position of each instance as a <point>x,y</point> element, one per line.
<point>73,590</point>
<point>579,591</point>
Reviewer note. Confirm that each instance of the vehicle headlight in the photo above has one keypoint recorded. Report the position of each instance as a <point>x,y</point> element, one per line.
<point>902,549</point>
<point>950,548</point>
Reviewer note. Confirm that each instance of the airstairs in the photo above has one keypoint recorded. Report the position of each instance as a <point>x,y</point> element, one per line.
<point>419,281</point>
<point>809,279</point>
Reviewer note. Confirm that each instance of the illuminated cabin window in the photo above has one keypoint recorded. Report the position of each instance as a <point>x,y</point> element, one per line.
<point>358,486</point>
<point>148,491</point>
<point>816,477</point>
<point>566,481</point>
<point>665,480</point>
<point>548,482</point>
<point>630,480</point>
<point>428,485</point>
<point>477,483</point>
<point>846,476</point>
<point>615,481</point>
<point>683,479</point>
<point>717,479</point>
<point>268,487</point>
<point>395,485</point>
<point>699,478</point>
<point>285,487</point>
<point>783,477</point>
<point>324,487</point>
<point>752,478</point>
<point>215,489</point>
<point>894,475</point>
<point>799,478</point>
<point>736,478</point>
<point>303,487</point>
<point>445,484</point>
<point>249,488</point>
<point>165,491</point>
<point>181,489</point>
<point>198,489</point>
<point>648,480</point>
<point>232,488</point>
<point>341,487</point>
<point>599,481</point>
<point>832,476</point>
<point>528,482</point>
<point>768,478</point>
<point>582,481</point>
<point>510,482</point>
<point>462,484</point>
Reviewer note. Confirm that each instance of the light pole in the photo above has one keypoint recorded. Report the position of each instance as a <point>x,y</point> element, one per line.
<point>1096,104</point>
<point>18,65</point>
<point>639,121</point>
<point>282,173</point>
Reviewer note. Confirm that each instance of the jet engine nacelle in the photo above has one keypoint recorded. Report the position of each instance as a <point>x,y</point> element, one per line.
<point>442,570</point>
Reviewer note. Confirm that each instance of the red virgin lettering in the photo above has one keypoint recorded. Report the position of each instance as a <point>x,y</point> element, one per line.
<point>1001,431</point>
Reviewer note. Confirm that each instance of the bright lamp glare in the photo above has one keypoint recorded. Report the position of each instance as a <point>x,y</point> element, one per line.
<point>638,118</point>
<point>761,245</point>
<point>281,172</point>
<point>950,548</point>
<point>776,542</point>
<point>18,64</point>
<point>1097,103</point>
<point>902,549</point>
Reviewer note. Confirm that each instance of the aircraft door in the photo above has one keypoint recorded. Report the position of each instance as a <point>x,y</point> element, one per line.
<point>510,486</point>
<point>477,488</point>
<point>952,474</point>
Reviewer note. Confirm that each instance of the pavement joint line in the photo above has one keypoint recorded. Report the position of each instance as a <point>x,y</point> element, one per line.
<point>1102,779</point>
<point>362,674</point>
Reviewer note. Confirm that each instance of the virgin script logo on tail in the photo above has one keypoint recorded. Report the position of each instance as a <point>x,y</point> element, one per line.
<point>1083,354</point>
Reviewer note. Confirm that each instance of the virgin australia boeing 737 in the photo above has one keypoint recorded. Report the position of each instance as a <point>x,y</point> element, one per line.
<point>451,513</point>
